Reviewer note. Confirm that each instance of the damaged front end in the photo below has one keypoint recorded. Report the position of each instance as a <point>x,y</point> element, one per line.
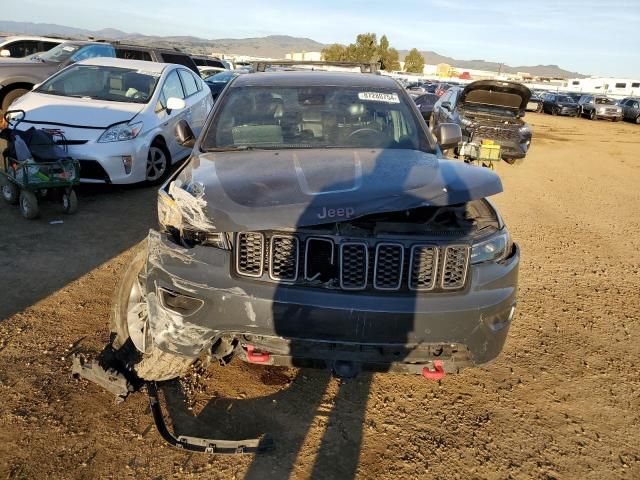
<point>420,281</point>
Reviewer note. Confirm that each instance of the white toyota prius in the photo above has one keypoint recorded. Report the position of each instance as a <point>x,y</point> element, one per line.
<point>118,116</point>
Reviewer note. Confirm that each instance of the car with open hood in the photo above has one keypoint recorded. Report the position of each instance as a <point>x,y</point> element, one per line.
<point>317,223</point>
<point>488,112</point>
<point>117,116</point>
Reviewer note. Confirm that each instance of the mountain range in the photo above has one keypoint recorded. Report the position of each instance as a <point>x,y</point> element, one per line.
<point>272,46</point>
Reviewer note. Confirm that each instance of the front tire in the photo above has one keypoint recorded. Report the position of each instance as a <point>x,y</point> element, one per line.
<point>11,96</point>
<point>10,192</point>
<point>158,163</point>
<point>29,205</point>
<point>638,120</point>
<point>129,315</point>
<point>592,115</point>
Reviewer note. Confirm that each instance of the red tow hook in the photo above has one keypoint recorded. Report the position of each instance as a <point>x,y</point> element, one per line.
<point>256,358</point>
<point>437,373</point>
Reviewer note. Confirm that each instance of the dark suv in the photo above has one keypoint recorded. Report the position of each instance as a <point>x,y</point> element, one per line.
<point>560,104</point>
<point>153,54</point>
<point>487,111</point>
<point>317,222</point>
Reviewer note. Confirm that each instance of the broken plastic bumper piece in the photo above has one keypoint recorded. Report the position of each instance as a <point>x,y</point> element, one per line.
<point>203,445</point>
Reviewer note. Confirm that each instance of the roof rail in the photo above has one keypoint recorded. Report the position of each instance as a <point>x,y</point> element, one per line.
<point>365,67</point>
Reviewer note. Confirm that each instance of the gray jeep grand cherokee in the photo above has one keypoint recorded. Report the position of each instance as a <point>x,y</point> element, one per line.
<point>316,222</point>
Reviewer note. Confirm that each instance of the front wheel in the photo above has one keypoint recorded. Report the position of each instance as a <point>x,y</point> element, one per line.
<point>157,163</point>
<point>592,115</point>
<point>29,204</point>
<point>131,341</point>
<point>638,120</point>
<point>10,192</point>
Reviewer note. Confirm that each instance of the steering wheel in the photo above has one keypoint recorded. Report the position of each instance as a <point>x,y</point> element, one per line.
<point>360,131</point>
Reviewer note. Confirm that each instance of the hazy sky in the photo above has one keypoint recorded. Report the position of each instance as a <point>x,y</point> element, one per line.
<point>599,37</point>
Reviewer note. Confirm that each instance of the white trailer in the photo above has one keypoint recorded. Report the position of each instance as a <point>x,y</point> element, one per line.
<point>613,87</point>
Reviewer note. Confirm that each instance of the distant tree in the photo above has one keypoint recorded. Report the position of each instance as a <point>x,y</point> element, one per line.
<point>389,58</point>
<point>335,53</point>
<point>414,62</point>
<point>365,49</point>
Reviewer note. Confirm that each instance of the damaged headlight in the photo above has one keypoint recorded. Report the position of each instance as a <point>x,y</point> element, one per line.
<point>121,132</point>
<point>169,215</point>
<point>493,250</point>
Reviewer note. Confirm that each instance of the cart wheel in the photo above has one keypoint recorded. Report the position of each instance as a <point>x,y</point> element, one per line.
<point>10,192</point>
<point>70,202</point>
<point>28,204</point>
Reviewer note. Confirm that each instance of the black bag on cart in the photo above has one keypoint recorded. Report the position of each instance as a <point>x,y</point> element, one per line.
<point>42,145</point>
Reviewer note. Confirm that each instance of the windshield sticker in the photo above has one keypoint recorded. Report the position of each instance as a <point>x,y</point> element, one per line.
<point>379,97</point>
<point>69,49</point>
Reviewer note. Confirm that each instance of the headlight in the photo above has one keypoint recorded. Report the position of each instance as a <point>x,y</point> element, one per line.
<point>169,215</point>
<point>121,132</point>
<point>492,250</point>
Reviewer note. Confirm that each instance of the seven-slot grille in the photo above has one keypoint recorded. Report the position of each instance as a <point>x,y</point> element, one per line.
<point>384,266</point>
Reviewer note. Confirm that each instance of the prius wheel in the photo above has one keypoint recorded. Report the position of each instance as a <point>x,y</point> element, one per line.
<point>592,115</point>
<point>157,163</point>
<point>638,120</point>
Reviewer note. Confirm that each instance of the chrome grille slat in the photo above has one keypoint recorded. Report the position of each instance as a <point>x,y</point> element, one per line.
<point>423,267</point>
<point>388,266</point>
<point>283,257</point>
<point>250,254</point>
<point>455,265</point>
<point>354,265</point>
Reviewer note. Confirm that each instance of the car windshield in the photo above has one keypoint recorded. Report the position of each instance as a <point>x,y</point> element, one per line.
<point>102,83</point>
<point>59,53</point>
<point>605,101</point>
<point>313,117</point>
<point>220,77</point>
<point>565,99</point>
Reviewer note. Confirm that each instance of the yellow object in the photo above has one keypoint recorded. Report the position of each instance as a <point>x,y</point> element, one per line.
<point>489,151</point>
<point>488,142</point>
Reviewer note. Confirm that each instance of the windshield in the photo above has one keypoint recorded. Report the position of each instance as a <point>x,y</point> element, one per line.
<point>605,101</point>
<point>313,117</point>
<point>102,83</point>
<point>220,77</point>
<point>59,53</point>
<point>565,99</point>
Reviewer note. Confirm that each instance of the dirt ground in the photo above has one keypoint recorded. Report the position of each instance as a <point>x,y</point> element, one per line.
<point>561,402</point>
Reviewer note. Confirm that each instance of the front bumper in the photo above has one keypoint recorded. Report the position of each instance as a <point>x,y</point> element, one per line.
<point>105,161</point>
<point>609,115</point>
<point>474,321</point>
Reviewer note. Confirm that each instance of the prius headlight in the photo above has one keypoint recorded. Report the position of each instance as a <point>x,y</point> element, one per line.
<point>121,132</point>
<point>492,250</point>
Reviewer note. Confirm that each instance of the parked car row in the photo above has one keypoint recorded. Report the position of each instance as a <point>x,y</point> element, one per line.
<point>19,76</point>
<point>594,107</point>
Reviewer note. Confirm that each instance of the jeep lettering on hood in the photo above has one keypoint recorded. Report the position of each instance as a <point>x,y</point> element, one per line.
<point>256,190</point>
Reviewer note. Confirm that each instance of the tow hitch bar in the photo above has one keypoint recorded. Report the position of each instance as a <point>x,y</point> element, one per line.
<point>204,445</point>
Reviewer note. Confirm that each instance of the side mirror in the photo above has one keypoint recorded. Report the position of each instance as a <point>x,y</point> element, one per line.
<point>449,135</point>
<point>5,53</point>
<point>184,134</point>
<point>446,105</point>
<point>174,103</point>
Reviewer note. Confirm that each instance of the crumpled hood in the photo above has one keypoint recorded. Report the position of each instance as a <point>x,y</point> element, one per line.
<point>78,112</point>
<point>257,190</point>
<point>496,93</point>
